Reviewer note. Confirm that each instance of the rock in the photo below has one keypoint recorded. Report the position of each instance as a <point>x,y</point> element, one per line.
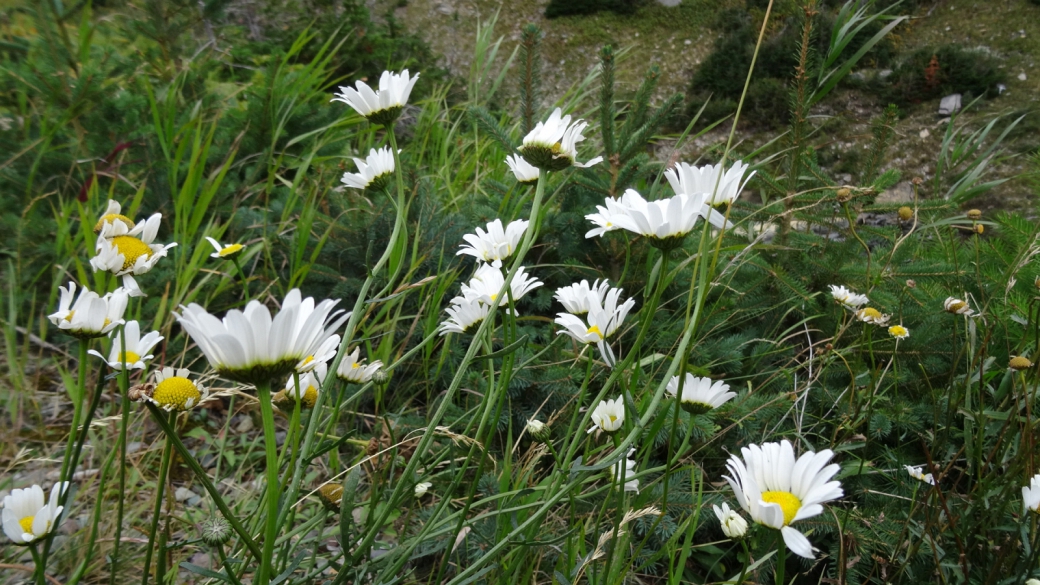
<point>669,3</point>
<point>884,73</point>
<point>858,76</point>
<point>245,425</point>
<point>901,193</point>
<point>950,104</point>
<point>925,133</point>
<point>133,447</point>
<point>1022,76</point>
<point>182,494</point>
<point>687,42</point>
<point>444,9</point>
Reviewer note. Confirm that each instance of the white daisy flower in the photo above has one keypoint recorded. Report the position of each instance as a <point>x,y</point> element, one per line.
<point>958,307</point>
<point>174,390</point>
<point>608,416</point>
<point>524,172</point>
<point>321,357</point>
<point>252,347</point>
<point>27,517</point>
<point>699,395</point>
<point>919,474</point>
<point>666,221</point>
<point>374,172</point>
<point>733,524</point>
<point>872,316</point>
<point>310,381</point>
<point>421,488</point>
<point>496,244</point>
<point>126,252</point>
<point>777,490</point>
<point>224,252</point>
<point>611,216</point>
<point>89,315</point>
<point>382,106</point>
<point>690,180</point>
<point>579,298</point>
<point>899,332</point>
<point>355,370</point>
<point>488,281</point>
<point>137,348</point>
<point>552,145</point>
<point>1030,496</point>
<point>601,322</point>
<point>848,298</point>
<point>463,315</point>
<point>113,213</point>
<point>624,470</point>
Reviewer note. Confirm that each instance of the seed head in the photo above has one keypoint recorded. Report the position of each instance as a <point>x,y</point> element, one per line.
<point>1020,363</point>
<point>905,213</point>
<point>843,194</point>
<point>974,214</point>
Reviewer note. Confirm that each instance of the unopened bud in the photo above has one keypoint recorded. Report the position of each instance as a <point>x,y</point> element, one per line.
<point>843,194</point>
<point>979,228</point>
<point>331,494</point>
<point>917,180</point>
<point>905,213</point>
<point>215,531</point>
<point>911,283</point>
<point>974,214</point>
<point>380,378</point>
<point>538,430</point>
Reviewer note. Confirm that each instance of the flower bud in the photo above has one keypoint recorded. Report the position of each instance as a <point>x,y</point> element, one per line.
<point>538,430</point>
<point>917,180</point>
<point>979,228</point>
<point>974,214</point>
<point>215,531</point>
<point>380,378</point>
<point>733,524</point>
<point>1020,363</point>
<point>421,488</point>
<point>911,283</point>
<point>843,194</point>
<point>905,213</point>
<point>331,494</point>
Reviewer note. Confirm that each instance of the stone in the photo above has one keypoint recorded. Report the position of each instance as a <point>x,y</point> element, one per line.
<point>444,9</point>
<point>901,193</point>
<point>182,494</point>
<point>1022,76</point>
<point>669,3</point>
<point>245,425</point>
<point>925,133</point>
<point>884,73</point>
<point>950,104</point>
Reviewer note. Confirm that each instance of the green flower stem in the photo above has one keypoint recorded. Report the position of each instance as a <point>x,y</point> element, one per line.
<point>242,277</point>
<point>160,487</point>
<point>227,566</point>
<point>781,558</point>
<point>124,419</point>
<point>92,539</point>
<point>40,568</point>
<point>747,562</point>
<point>160,417</point>
<point>263,391</point>
<point>77,413</point>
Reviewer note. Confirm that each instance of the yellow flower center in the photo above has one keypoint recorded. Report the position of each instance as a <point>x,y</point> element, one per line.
<point>26,524</point>
<point>869,313</point>
<point>355,366</point>
<point>494,297</point>
<point>310,396</point>
<point>612,418</point>
<point>307,360</point>
<point>70,316</point>
<point>788,502</point>
<point>130,358</point>
<point>230,250</point>
<point>112,218</point>
<point>595,329</point>
<point>176,393</point>
<point>131,248</point>
<point>897,331</point>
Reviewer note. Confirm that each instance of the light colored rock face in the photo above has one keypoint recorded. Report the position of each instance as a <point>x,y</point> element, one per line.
<point>901,193</point>
<point>669,2</point>
<point>950,104</point>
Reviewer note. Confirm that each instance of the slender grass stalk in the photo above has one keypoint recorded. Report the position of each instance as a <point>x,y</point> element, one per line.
<point>263,391</point>
<point>160,487</point>
<point>40,569</point>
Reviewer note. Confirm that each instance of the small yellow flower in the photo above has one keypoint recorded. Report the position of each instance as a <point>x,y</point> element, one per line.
<point>899,332</point>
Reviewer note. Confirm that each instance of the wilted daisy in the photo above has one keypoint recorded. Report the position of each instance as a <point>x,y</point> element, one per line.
<point>625,470</point>
<point>488,281</point>
<point>137,348</point>
<point>113,213</point>
<point>126,252</point>
<point>958,307</point>
<point>733,524</point>
<point>699,395</point>
<point>522,170</point>
<point>666,222</point>
<point>776,490</point>
<point>373,173</point>
<point>382,106</point>
<point>223,252</point>
<point>609,415</point>
<point>174,390</point>
<point>27,517</point>
<point>690,180</point>
<point>252,347</point>
<point>579,298</point>
<point>919,474</point>
<point>873,316</point>
<point>848,298</point>
<point>463,315</point>
<point>899,332</point>
<point>1030,496</point>
<point>355,370</point>
<point>552,144</point>
<point>496,244</point>
<point>599,324</point>
<point>89,315</point>
<point>421,488</point>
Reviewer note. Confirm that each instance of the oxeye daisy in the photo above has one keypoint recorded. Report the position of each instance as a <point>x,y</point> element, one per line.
<point>421,488</point>
<point>27,517</point>
<point>524,172</point>
<point>228,252</point>
<point>690,180</point>
<point>579,298</point>
<point>321,356</point>
<point>127,252</point>
<point>699,395</point>
<point>872,316</point>
<point>919,474</point>
<point>352,369</point>
<point>310,383</point>
<point>137,348</point>
<point>601,322</point>
<point>1031,495</point>
<point>733,524</point>
<point>381,106</point>
<point>958,307</point>
<point>89,315</point>
<point>373,173</point>
<point>625,470</point>
<point>608,416</point>
<point>252,347</point>
<point>665,222</point>
<point>609,217</point>
<point>552,144</point>
<point>847,298</point>
<point>1019,363</point>
<point>488,282</point>
<point>174,390</point>
<point>113,213</point>
<point>496,244</point>
<point>899,332</point>
<point>464,315</point>
<point>777,490</point>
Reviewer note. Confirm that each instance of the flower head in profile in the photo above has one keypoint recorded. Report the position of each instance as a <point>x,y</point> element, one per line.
<point>89,315</point>
<point>847,298</point>
<point>552,144</point>
<point>127,252</point>
<point>899,332</point>
<point>353,369</point>
<point>137,348</point>
<point>777,490</point>
<point>113,214</point>
<point>374,172</point>
<point>464,315</point>
<point>624,471</point>
<point>919,474</point>
<point>252,347</point>
<point>228,252</point>
<point>496,244</point>
<point>665,222</point>
<point>599,324</point>
<point>691,181</point>
<point>538,430</point>
<point>307,392</point>
<point>1019,363</point>
<point>489,281</point>
<point>381,106</point>
<point>699,395</point>
<point>733,524</point>
<point>175,391</point>
<point>609,415</point>
<point>958,307</point>
<point>27,517</point>
<point>421,488</point>
<point>525,173</point>
<point>1030,495</point>
<point>321,356</point>
<point>580,298</point>
<point>872,316</point>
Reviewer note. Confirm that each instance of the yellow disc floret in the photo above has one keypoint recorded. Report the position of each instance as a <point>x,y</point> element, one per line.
<point>26,524</point>
<point>129,358</point>
<point>113,218</point>
<point>176,393</point>
<point>788,502</point>
<point>131,248</point>
<point>595,329</point>
<point>230,250</point>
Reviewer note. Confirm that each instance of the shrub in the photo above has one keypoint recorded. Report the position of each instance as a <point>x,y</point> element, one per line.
<point>930,73</point>
<point>558,8</point>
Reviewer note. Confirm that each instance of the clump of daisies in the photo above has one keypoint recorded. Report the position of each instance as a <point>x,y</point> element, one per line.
<point>485,290</point>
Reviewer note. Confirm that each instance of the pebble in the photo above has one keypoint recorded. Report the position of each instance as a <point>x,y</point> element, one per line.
<point>245,425</point>
<point>925,133</point>
<point>182,493</point>
<point>1022,76</point>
